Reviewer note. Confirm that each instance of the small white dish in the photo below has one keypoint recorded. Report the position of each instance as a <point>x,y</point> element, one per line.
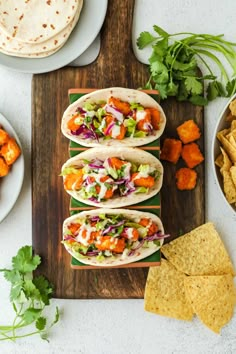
<point>10,185</point>
<point>221,124</point>
<point>83,35</point>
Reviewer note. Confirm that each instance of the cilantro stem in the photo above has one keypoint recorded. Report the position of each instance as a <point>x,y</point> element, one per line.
<point>22,336</point>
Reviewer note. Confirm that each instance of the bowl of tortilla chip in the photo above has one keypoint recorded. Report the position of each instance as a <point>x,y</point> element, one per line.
<point>224,152</point>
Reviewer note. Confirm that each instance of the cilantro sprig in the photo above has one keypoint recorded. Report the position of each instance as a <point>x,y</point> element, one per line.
<point>174,65</point>
<point>29,296</point>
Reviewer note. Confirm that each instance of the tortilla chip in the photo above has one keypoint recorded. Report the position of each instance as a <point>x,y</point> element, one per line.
<point>226,161</point>
<point>229,117</point>
<point>233,125</point>
<point>219,160</point>
<point>199,252</point>
<point>231,139</point>
<point>232,107</point>
<point>229,187</point>
<point>231,150</point>
<point>212,298</point>
<point>233,174</point>
<point>165,294</point>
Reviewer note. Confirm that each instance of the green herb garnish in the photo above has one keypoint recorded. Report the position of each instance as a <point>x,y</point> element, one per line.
<point>29,296</point>
<point>174,65</point>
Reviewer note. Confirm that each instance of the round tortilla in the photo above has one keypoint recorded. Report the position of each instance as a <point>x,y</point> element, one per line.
<point>124,94</point>
<point>13,47</point>
<point>130,154</point>
<point>117,260</point>
<point>35,21</point>
<point>38,55</point>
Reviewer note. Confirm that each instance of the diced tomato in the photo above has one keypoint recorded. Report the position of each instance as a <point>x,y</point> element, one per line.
<point>4,137</point>
<point>4,168</point>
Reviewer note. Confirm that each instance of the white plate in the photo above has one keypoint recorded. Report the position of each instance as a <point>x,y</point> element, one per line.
<point>87,29</point>
<point>10,185</point>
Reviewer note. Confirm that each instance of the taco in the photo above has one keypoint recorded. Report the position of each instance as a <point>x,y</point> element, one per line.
<point>113,177</point>
<point>112,237</point>
<point>114,116</point>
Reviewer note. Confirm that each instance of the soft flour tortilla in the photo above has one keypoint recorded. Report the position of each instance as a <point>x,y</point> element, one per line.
<point>129,154</point>
<point>124,94</point>
<point>13,47</point>
<point>117,259</point>
<point>35,21</point>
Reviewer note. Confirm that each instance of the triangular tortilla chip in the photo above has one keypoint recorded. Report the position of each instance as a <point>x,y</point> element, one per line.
<point>199,252</point>
<point>231,139</point>
<point>229,187</point>
<point>231,150</point>
<point>226,161</point>
<point>233,174</point>
<point>212,299</point>
<point>232,107</point>
<point>219,160</point>
<point>165,294</point>
<point>233,125</point>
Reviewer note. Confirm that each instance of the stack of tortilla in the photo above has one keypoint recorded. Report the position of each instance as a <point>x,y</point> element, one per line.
<point>36,28</point>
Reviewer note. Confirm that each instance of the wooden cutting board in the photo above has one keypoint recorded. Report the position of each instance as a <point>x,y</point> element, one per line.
<point>116,65</point>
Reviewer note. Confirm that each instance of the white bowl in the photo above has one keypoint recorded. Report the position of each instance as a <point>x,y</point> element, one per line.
<point>222,124</point>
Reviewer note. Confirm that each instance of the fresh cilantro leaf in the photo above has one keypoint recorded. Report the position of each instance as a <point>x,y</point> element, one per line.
<point>162,89</point>
<point>40,324</point>
<point>30,290</point>
<point>12,276</point>
<point>231,87</point>
<point>31,314</point>
<point>15,291</point>
<point>172,89</point>
<point>159,72</point>
<point>24,261</point>
<point>159,50</point>
<point>182,92</point>
<point>212,91</point>
<point>160,31</point>
<point>44,288</point>
<point>198,100</point>
<point>28,295</point>
<point>193,85</point>
<point>57,316</point>
<point>144,39</point>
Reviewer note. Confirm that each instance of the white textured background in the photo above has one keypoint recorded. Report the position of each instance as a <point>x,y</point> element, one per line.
<point>120,326</point>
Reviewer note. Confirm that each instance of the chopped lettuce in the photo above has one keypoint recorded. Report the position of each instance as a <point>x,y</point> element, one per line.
<point>69,170</point>
<point>144,169</point>
<point>140,134</point>
<point>89,106</point>
<point>141,190</point>
<point>100,114</point>
<point>135,105</point>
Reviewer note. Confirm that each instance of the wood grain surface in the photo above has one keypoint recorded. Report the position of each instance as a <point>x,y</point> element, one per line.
<point>116,65</point>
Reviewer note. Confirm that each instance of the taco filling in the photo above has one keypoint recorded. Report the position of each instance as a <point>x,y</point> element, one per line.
<point>114,119</point>
<point>105,235</point>
<point>98,180</point>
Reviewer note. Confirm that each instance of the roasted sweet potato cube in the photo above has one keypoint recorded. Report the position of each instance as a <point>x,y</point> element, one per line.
<point>192,155</point>
<point>4,168</point>
<point>171,150</point>
<point>10,151</point>
<point>188,131</point>
<point>4,137</point>
<point>186,178</point>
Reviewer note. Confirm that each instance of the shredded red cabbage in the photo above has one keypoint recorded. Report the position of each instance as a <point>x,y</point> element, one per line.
<point>111,227</point>
<point>109,128</point>
<point>115,112</point>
